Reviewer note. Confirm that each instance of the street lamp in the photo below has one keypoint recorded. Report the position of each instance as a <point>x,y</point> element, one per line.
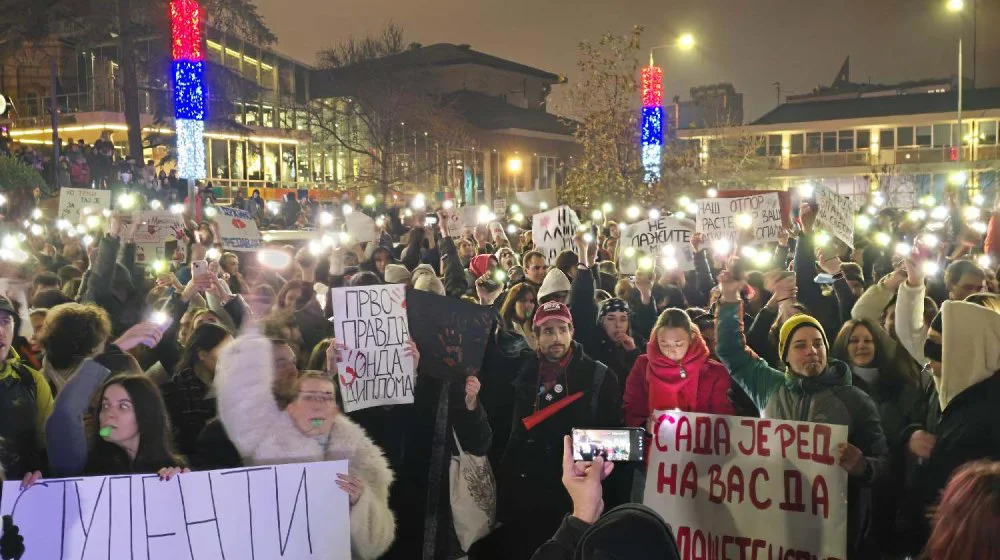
<point>514,166</point>
<point>958,7</point>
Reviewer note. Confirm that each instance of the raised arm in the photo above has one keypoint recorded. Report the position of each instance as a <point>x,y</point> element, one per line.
<point>64,431</point>
<point>910,328</point>
<point>243,380</point>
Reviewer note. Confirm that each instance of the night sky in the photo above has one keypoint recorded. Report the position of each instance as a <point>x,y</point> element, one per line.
<point>751,43</point>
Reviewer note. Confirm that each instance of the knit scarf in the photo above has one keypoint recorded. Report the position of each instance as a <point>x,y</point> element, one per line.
<point>675,384</point>
<point>549,372</point>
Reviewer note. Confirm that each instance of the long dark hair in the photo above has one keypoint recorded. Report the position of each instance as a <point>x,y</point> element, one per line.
<point>204,338</point>
<point>156,445</point>
<point>509,308</point>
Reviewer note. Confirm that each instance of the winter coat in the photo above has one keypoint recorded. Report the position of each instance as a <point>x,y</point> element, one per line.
<point>969,390</point>
<point>828,398</point>
<point>266,435</point>
<point>531,498</point>
<point>577,539</point>
<point>697,384</point>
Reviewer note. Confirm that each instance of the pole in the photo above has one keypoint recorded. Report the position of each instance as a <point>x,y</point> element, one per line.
<point>191,194</point>
<point>54,109</point>
<point>960,139</point>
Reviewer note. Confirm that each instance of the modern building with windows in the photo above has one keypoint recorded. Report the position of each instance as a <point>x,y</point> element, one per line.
<point>516,145</point>
<point>903,140</point>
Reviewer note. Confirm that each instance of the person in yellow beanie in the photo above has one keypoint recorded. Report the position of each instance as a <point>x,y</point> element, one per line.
<point>812,388</point>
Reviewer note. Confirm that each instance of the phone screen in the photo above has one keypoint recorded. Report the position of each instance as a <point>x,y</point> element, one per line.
<point>620,445</point>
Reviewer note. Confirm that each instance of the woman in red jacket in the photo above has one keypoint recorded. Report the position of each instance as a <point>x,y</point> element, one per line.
<point>676,372</point>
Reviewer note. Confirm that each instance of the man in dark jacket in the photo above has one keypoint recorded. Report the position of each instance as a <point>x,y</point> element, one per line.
<point>557,390</point>
<point>630,531</point>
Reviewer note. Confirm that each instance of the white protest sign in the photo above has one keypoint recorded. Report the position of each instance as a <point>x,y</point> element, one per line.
<point>152,230</point>
<point>835,215</point>
<point>719,218</point>
<point>360,226</point>
<point>496,231</point>
<point>769,484</point>
<point>667,240</point>
<point>237,229</point>
<point>73,201</point>
<point>461,218</point>
<point>500,206</point>
<point>282,511</point>
<point>553,231</point>
<point>371,322</point>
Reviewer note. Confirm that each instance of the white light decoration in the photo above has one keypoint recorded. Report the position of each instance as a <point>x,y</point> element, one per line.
<point>654,214</point>
<point>36,214</point>
<point>347,209</point>
<point>191,149</point>
<point>633,213</point>
<point>652,155</point>
<point>325,218</point>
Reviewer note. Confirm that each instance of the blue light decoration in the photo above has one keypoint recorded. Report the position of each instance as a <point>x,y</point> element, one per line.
<point>190,99</point>
<point>652,123</point>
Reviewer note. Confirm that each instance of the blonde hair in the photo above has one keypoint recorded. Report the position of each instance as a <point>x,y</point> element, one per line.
<point>989,301</point>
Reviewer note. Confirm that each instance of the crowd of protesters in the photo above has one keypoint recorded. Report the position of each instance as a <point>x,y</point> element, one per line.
<point>111,367</point>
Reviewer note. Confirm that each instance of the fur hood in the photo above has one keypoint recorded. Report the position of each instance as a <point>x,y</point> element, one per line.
<point>266,435</point>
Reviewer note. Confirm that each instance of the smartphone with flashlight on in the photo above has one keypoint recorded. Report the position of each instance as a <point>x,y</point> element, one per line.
<point>199,268</point>
<point>494,281</point>
<point>619,445</point>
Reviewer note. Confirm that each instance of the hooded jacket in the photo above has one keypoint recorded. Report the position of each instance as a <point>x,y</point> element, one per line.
<point>696,384</point>
<point>969,390</point>
<point>631,531</point>
<point>555,281</point>
<point>828,398</point>
<point>266,435</point>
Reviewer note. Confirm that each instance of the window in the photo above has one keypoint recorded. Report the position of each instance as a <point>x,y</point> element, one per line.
<point>845,141</point>
<point>988,132</point>
<point>813,143</point>
<point>220,159</point>
<point>829,142</point>
<point>774,145</point>
<point>268,116</point>
<point>798,144</point>
<point>887,138</point>
<point>923,134</point>
<point>864,139</point>
<point>904,136</point>
<point>942,135</point>
<point>964,135</point>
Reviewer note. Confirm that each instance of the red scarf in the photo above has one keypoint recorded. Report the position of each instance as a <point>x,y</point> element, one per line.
<point>549,372</point>
<point>674,385</point>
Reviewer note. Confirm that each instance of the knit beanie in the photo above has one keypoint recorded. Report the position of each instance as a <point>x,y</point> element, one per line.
<point>396,274</point>
<point>555,282</point>
<point>794,323</point>
<point>611,306</point>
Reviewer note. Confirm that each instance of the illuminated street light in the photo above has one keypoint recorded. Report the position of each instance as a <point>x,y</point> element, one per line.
<point>686,41</point>
<point>956,5</point>
<point>514,165</point>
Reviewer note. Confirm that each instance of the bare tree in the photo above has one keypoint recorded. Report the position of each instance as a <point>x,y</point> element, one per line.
<point>386,113</point>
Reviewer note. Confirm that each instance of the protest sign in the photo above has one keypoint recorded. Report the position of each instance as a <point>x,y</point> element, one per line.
<point>153,229</point>
<point>237,229</point>
<point>461,218</point>
<point>500,206</point>
<point>453,334</point>
<point>553,231</point>
<point>718,218</point>
<point>665,239</point>
<point>535,201</point>
<point>282,511</point>
<point>496,231</point>
<point>361,227</point>
<point>727,484</point>
<point>371,322</point>
<point>73,201</point>
<point>835,215</point>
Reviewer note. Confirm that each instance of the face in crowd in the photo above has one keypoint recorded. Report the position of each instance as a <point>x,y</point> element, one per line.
<point>286,372</point>
<point>861,347</point>
<point>314,406</point>
<point>535,269</point>
<point>117,417</point>
<point>673,342</point>
<point>554,338</point>
<point>524,309</point>
<point>615,325</point>
<point>6,334</point>
<point>807,352</point>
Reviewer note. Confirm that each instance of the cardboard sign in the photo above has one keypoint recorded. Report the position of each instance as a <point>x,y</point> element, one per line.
<point>718,218</point>
<point>773,484</point>
<point>667,240</point>
<point>371,322</point>
<point>553,231</point>
<point>835,215</point>
<point>461,218</point>
<point>73,201</point>
<point>452,336</point>
<point>283,511</point>
<point>361,227</point>
<point>237,229</point>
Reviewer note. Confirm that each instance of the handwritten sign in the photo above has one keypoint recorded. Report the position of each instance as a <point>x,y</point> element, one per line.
<point>553,231</point>
<point>775,485</point>
<point>73,201</point>
<point>719,218</point>
<point>237,229</point>
<point>371,322</point>
<point>153,229</point>
<point>666,239</point>
<point>283,511</point>
<point>835,215</point>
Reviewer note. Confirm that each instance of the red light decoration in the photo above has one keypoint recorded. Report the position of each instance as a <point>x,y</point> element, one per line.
<point>652,86</point>
<point>186,17</point>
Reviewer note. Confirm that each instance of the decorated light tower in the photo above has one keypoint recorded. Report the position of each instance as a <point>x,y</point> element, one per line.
<point>190,99</point>
<point>652,121</point>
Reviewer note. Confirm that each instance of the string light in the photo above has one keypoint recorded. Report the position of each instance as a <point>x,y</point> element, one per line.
<point>651,133</point>
<point>186,22</point>
<point>189,90</point>
<point>191,149</point>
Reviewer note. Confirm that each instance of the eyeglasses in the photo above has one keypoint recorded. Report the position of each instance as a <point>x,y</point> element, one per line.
<point>317,397</point>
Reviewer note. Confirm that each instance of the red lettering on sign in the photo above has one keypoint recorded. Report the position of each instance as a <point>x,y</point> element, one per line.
<point>689,480</point>
<point>722,445</point>
<point>803,439</point>
<point>754,490</point>
<point>762,449</point>
<point>793,492</point>
<point>735,484</point>
<point>747,449</point>
<point>820,497</point>
<point>786,435</point>
<point>660,444</point>
<point>716,489</point>
<point>683,433</point>
<point>822,436</point>
<point>702,435</point>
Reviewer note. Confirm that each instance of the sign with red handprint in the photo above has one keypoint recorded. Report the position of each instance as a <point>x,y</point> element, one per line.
<point>452,336</point>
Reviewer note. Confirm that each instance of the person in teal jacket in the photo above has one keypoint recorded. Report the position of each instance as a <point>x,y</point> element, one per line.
<point>811,389</point>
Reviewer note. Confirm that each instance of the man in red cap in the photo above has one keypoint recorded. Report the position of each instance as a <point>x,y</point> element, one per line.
<point>558,389</point>
<point>25,404</point>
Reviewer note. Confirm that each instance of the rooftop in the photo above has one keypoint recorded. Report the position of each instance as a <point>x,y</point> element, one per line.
<point>869,107</point>
<point>492,113</point>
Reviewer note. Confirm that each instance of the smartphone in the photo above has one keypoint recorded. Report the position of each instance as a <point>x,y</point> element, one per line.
<point>619,445</point>
<point>199,268</point>
<point>430,221</point>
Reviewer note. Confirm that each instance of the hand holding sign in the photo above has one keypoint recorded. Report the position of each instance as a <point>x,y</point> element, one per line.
<point>472,387</point>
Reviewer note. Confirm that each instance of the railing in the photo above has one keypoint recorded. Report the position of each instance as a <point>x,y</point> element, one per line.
<point>34,111</point>
<point>838,159</point>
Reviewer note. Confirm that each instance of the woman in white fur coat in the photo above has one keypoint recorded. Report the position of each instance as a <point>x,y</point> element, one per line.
<point>310,429</point>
